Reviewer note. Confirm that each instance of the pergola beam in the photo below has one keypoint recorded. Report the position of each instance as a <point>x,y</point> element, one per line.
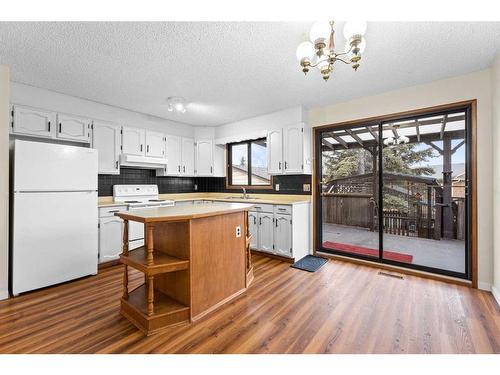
<point>327,144</point>
<point>340,140</point>
<point>435,147</point>
<point>418,130</point>
<point>454,149</point>
<point>395,132</point>
<point>443,125</point>
<point>370,130</point>
<point>356,138</point>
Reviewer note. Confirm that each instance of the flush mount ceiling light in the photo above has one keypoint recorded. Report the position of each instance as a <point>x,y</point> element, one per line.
<point>176,103</point>
<point>320,53</point>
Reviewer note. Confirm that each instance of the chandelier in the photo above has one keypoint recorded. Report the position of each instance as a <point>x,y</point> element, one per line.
<point>320,53</point>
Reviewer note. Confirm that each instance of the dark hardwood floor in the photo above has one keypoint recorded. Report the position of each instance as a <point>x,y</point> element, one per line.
<point>342,308</point>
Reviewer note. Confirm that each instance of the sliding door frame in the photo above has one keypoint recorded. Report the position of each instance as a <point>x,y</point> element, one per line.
<point>469,107</point>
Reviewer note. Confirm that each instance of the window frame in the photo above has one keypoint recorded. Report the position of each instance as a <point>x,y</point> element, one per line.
<point>229,174</point>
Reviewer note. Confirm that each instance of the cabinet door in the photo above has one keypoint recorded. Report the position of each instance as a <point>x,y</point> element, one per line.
<point>133,141</point>
<point>73,128</point>
<point>253,228</point>
<point>275,151</point>
<point>293,150</point>
<point>187,157</point>
<point>110,238</point>
<point>106,140</point>
<point>283,235</point>
<point>220,161</point>
<point>33,121</point>
<point>174,155</point>
<point>204,158</point>
<point>266,229</point>
<point>155,145</point>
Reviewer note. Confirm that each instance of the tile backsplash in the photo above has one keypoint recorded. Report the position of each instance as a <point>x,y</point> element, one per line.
<point>289,184</point>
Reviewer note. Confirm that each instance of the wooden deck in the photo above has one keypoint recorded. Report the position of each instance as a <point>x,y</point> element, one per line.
<point>342,308</point>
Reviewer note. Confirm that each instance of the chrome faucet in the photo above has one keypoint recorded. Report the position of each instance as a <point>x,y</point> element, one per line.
<point>244,193</point>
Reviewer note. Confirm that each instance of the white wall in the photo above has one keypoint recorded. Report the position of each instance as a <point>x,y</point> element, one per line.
<point>37,97</point>
<point>256,127</point>
<point>495,86</point>
<point>471,86</point>
<point>4,181</point>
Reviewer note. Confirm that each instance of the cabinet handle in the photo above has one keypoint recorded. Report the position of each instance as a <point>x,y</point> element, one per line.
<point>211,169</point>
<point>60,127</point>
<point>49,126</point>
<point>141,148</point>
<point>281,209</point>
<point>276,223</point>
<point>147,148</point>
<point>279,165</point>
<point>116,164</point>
<point>254,220</point>
<point>179,169</point>
<point>184,169</point>
<point>286,164</point>
<point>260,221</point>
<point>113,211</point>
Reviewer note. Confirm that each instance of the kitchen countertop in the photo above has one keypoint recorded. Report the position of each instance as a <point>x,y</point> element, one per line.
<point>262,198</point>
<point>174,213</point>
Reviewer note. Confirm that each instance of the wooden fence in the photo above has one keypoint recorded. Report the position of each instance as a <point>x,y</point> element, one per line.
<point>348,209</point>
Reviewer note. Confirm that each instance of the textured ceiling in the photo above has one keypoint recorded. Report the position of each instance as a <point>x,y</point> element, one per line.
<point>231,71</point>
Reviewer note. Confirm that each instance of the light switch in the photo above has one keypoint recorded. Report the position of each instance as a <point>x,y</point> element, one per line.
<point>277,187</point>
<point>307,187</point>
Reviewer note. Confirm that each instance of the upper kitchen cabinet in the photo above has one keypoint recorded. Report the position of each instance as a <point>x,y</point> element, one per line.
<point>133,141</point>
<point>275,151</point>
<point>289,150</point>
<point>219,161</point>
<point>204,157</point>
<point>33,121</point>
<point>187,153</point>
<point>106,140</point>
<point>174,162</point>
<point>73,128</point>
<point>155,145</point>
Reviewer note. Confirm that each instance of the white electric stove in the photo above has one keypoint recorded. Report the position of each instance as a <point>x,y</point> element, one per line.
<point>138,197</point>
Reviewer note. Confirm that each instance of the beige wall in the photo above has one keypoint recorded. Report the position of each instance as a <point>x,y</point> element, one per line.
<point>471,86</point>
<point>495,80</point>
<point>4,180</point>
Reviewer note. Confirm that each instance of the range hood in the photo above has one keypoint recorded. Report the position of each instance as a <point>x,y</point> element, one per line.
<point>142,162</point>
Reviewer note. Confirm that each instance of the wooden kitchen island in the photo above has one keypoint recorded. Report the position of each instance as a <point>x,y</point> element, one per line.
<point>193,261</point>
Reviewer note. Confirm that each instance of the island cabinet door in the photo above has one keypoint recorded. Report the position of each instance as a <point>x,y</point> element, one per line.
<point>266,241</point>
<point>253,228</point>
<point>283,235</point>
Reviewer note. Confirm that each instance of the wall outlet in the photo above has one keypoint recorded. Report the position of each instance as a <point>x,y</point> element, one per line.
<point>238,232</point>
<point>195,187</point>
<point>277,187</point>
<point>307,187</point>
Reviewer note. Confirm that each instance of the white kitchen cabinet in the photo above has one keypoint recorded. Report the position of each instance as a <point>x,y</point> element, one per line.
<point>220,161</point>
<point>266,232</point>
<point>187,152</point>
<point>155,144</point>
<point>253,228</point>
<point>275,151</point>
<point>33,121</point>
<point>73,128</point>
<point>110,238</point>
<point>174,146</point>
<point>204,157</point>
<point>283,235</point>
<point>289,150</point>
<point>133,141</point>
<point>292,153</point>
<point>106,140</point>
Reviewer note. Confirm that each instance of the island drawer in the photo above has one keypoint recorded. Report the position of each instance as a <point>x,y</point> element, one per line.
<point>283,209</point>
<point>263,208</point>
<point>110,211</point>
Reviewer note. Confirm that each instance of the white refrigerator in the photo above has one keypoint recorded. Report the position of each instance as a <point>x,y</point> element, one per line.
<point>54,233</point>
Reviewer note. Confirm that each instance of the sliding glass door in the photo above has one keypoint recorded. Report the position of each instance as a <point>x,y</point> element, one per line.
<point>397,191</point>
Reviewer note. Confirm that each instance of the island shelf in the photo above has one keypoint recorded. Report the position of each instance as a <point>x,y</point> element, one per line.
<point>193,262</point>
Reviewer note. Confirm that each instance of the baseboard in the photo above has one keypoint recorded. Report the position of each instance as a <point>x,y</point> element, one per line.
<point>4,294</point>
<point>496,294</point>
<point>484,286</point>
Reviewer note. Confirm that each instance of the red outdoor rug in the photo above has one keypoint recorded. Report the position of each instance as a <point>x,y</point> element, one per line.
<point>390,255</point>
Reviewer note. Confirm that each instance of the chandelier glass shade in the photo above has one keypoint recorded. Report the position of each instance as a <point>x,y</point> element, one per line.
<point>320,52</point>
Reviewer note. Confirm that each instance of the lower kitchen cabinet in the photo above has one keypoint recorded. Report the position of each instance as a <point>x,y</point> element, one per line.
<point>110,233</point>
<point>282,230</point>
<point>283,235</point>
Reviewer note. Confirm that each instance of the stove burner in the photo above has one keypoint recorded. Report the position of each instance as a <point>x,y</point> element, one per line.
<point>156,200</point>
<point>132,202</point>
